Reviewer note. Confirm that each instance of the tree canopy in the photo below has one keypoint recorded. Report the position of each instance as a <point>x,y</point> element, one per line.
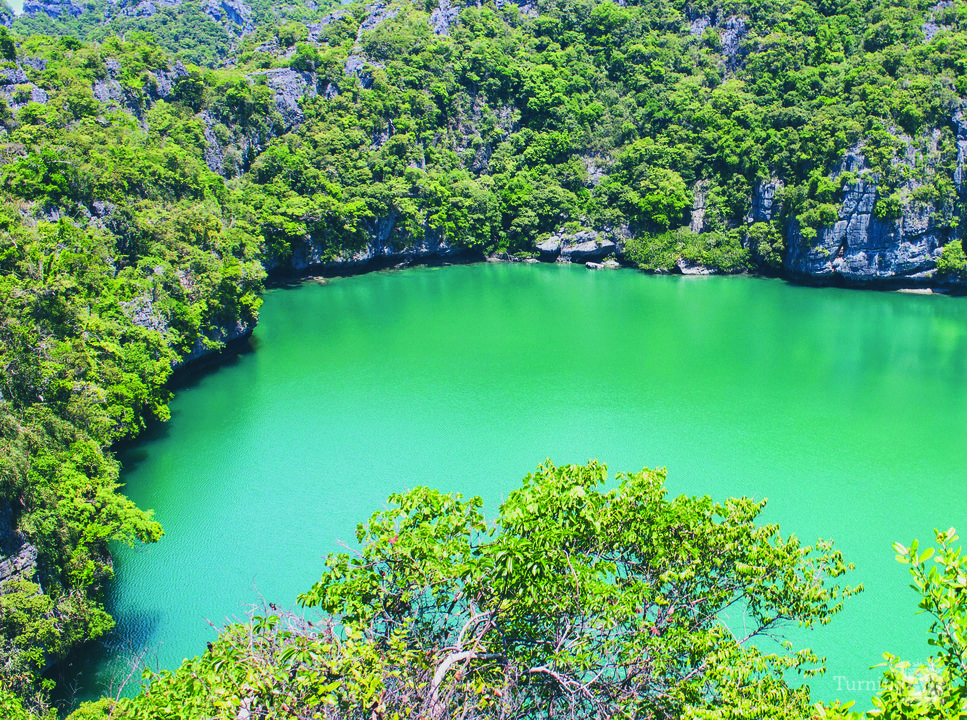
<point>576,601</point>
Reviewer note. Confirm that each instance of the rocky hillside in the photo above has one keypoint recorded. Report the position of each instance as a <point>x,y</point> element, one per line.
<point>207,32</point>
<point>830,215</point>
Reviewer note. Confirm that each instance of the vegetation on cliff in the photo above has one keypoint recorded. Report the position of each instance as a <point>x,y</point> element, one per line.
<point>120,253</point>
<point>145,186</point>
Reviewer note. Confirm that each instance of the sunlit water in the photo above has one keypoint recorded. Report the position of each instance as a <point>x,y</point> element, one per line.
<point>846,409</point>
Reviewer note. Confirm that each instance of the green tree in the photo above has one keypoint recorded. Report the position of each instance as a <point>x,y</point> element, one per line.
<point>952,261</point>
<point>937,688</point>
<point>578,602</point>
<point>581,602</point>
<point>8,47</point>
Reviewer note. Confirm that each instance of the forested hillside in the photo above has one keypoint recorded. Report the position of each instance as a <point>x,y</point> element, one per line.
<point>158,159</point>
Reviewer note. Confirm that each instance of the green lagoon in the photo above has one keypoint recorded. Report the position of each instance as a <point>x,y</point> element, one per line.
<point>846,409</point>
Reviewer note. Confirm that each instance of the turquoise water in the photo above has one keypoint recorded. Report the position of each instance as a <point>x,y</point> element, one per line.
<point>847,409</point>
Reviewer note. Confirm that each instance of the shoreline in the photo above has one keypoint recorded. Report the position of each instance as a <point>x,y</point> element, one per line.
<point>200,366</point>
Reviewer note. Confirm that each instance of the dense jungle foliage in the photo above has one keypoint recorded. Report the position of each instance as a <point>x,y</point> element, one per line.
<point>152,170</point>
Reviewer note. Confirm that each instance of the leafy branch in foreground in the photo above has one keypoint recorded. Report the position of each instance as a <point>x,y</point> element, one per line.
<point>585,603</point>
<point>938,688</point>
<point>578,602</point>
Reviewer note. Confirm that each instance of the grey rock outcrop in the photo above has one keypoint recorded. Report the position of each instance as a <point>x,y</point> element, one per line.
<point>290,87</point>
<point>527,8</point>
<point>549,249</point>
<point>34,63</point>
<point>386,246</point>
<point>143,312</point>
<point>698,26</point>
<point>18,558</point>
<point>234,12</point>
<point>54,8</point>
<point>379,12</point>
<point>930,26</point>
<point>221,336</point>
<point>582,246</point>
<point>228,152</point>
<point>354,63</point>
<point>136,8</point>
<point>687,268</point>
<point>764,202</point>
<point>13,76</point>
<point>444,17</point>
<point>234,15</point>
<point>697,217</point>
<point>17,90</point>
<point>109,91</point>
<point>596,168</point>
<point>595,249</point>
<point>318,31</point>
<point>359,65</point>
<point>732,30</point>
<point>162,83</point>
<point>960,127</point>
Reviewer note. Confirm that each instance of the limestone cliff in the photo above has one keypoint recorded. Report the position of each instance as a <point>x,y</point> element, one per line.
<point>581,246</point>
<point>54,8</point>
<point>886,232</point>
<point>234,15</point>
<point>862,248</point>
<point>889,228</point>
<point>18,558</point>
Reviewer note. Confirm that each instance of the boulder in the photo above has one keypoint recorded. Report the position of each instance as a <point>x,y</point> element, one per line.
<point>550,249</point>
<point>582,246</point>
<point>588,250</point>
<point>687,268</point>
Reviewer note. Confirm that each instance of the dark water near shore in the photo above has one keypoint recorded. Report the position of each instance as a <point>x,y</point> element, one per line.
<point>847,409</point>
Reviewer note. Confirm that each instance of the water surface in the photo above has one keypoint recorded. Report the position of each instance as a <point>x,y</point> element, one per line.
<point>846,409</point>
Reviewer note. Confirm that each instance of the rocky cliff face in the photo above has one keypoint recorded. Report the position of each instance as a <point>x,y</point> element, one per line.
<point>224,155</point>
<point>17,89</point>
<point>866,245</point>
<point>143,312</point>
<point>581,246</point>
<point>213,343</point>
<point>234,15</point>
<point>18,558</point>
<point>861,248</point>
<point>54,8</point>
<point>386,246</point>
<point>731,31</point>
